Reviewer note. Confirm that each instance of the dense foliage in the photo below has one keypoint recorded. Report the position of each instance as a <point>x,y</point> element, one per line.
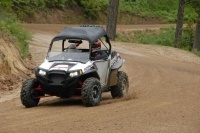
<point>164,9</point>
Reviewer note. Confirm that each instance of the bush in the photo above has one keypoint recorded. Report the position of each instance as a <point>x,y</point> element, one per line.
<point>187,38</point>
<point>25,8</point>
<point>90,8</point>
<point>56,3</point>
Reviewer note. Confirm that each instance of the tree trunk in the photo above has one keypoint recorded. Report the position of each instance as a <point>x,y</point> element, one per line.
<point>196,44</point>
<point>112,18</point>
<point>179,24</point>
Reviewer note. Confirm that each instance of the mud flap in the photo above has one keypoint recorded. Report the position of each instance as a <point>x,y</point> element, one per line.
<point>113,77</point>
<point>114,72</point>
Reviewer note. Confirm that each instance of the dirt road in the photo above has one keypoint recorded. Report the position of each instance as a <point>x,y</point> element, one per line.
<point>164,95</point>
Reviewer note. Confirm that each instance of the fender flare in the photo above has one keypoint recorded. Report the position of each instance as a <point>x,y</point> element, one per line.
<point>90,73</point>
<point>118,64</point>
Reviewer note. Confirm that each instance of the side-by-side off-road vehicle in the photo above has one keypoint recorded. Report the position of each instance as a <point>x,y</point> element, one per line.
<point>70,70</point>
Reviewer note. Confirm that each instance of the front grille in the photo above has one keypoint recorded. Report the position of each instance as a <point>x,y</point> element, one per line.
<point>57,78</point>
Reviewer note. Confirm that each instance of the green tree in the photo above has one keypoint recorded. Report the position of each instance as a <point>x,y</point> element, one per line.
<point>179,23</point>
<point>196,5</point>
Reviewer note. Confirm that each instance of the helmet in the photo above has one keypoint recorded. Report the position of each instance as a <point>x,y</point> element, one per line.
<point>72,46</point>
<point>96,44</point>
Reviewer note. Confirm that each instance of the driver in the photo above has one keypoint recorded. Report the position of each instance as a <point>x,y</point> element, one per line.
<point>97,53</point>
<point>72,46</point>
<point>96,45</point>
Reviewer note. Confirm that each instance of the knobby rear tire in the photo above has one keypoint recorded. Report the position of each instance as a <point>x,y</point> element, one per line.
<point>121,88</point>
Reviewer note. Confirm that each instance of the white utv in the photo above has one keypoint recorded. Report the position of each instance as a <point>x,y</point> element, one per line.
<point>73,73</point>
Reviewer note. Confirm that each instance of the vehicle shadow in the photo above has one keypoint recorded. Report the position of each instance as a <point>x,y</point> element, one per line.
<point>106,99</point>
<point>61,102</point>
<point>71,102</point>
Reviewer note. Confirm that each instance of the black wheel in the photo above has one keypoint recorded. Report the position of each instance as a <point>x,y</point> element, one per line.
<point>122,86</point>
<point>91,92</point>
<point>28,93</point>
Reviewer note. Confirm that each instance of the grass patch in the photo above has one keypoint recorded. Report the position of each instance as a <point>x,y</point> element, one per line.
<point>196,52</point>
<point>126,36</point>
<point>11,26</point>
<point>163,36</point>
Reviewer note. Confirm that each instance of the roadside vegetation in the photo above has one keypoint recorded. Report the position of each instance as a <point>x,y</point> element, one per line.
<point>188,35</point>
<point>163,36</point>
<point>11,30</point>
<point>164,10</point>
<point>159,11</point>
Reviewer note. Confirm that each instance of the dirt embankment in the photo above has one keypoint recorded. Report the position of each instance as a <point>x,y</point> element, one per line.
<point>12,68</point>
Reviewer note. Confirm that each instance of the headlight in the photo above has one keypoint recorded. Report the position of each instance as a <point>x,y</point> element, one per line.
<point>73,74</point>
<point>42,72</point>
<point>76,73</point>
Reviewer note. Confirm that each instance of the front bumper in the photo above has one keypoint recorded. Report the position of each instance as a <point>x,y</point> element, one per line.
<point>58,83</point>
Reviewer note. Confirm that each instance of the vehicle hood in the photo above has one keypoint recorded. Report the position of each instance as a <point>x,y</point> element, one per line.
<point>65,65</point>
